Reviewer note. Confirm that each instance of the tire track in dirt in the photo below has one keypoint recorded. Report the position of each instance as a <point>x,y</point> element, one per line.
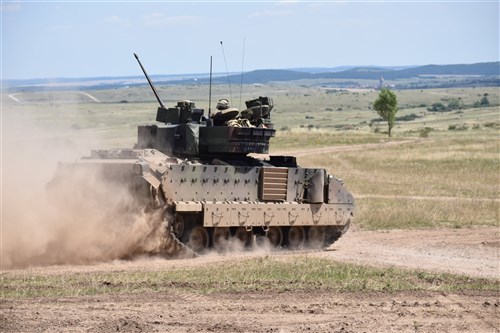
<point>473,252</point>
<point>469,251</point>
<point>14,98</point>
<point>313,311</point>
<point>90,96</point>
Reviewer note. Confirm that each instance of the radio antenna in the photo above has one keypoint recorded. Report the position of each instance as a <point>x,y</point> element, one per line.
<point>150,82</point>
<point>210,91</point>
<point>227,72</point>
<point>242,66</point>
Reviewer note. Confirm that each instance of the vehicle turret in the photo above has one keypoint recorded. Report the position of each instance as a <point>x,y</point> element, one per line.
<point>183,130</point>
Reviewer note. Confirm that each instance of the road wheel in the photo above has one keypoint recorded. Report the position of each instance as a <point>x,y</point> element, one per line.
<point>316,237</point>
<point>220,237</point>
<point>178,225</point>
<point>198,239</point>
<point>275,236</point>
<point>244,237</point>
<point>296,237</point>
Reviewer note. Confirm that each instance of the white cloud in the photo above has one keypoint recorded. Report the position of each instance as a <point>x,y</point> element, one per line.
<point>287,2</point>
<point>113,19</point>
<point>160,20</point>
<point>54,28</point>
<point>271,13</point>
<point>10,6</point>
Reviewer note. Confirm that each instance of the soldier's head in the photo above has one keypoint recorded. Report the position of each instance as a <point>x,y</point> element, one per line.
<point>223,104</point>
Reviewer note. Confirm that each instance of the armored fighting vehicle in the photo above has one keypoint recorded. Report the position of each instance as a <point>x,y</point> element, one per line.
<point>213,181</point>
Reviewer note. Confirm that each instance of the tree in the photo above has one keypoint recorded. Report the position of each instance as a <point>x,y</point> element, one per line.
<point>484,101</point>
<point>437,107</point>
<point>386,106</point>
<point>455,104</point>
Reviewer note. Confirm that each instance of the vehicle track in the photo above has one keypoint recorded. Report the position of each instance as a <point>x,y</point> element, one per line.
<point>467,251</point>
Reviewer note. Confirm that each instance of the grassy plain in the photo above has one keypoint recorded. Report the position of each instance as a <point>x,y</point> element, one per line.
<point>250,275</point>
<point>435,176</point>
<point>444,171</point>
<point>446,180</point>
<point>297,107</point>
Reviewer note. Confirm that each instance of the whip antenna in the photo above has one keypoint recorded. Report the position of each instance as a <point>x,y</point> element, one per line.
<point>242,66</point>
<point>227,72</point>
<point>149,81</point>
<point>210,91</point>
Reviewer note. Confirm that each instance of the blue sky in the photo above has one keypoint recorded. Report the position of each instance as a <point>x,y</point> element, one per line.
<point>88,38</point>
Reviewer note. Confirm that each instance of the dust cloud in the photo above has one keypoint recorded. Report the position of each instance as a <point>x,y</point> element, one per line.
<point>260,245</point>
<point>86,220</point>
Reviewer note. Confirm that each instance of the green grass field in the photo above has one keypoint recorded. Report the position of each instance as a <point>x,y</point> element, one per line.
<point>449,160</point>
<point>296,107</point>
<point>446,180</point>
<point>452,154</point>
<point>441,170</point>
<point>250,275</point>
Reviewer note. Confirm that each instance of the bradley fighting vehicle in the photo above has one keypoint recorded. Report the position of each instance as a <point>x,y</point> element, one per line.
<point>205,176</point>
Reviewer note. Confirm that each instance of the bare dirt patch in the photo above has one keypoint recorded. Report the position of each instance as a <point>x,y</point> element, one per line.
<point>469,251</point>
<point>257,312</point>
<point>472,252</point>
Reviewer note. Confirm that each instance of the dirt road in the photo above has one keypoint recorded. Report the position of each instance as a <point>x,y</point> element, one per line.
<point>473,252</point>
<point>257,312</point>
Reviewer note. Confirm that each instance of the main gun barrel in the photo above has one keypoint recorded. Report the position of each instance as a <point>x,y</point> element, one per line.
<point>150,82</point>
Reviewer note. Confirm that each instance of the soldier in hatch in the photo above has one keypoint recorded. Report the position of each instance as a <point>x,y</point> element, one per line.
<point>223,104</point>
<point>224,113</point>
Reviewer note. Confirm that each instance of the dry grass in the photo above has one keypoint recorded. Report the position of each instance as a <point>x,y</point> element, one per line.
<point>460,164</point>
<point>260,274</point>
<point>403,213</point>
<point>461,169</point>
<point>455,181</point>
<point>296,106</point>
<point>466,166</point>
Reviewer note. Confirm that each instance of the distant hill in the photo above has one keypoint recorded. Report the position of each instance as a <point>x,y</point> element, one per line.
<point>322,69</point>
<point>485,68</point>
<point>372,73</point>
<point>344,68</point>
<point>491,70</point>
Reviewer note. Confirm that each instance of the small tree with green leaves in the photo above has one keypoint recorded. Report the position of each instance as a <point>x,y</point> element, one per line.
<point>484,101</point>
<point>386,106</point>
